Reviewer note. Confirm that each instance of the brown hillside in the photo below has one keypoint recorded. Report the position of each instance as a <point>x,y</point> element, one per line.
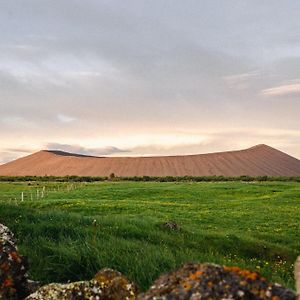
<point>256,161</point>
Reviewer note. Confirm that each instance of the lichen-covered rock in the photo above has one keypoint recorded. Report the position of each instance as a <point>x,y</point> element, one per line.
<point>208,281</point>
<point>115,285</point>
<point>13,267</point>
<point>75,290</point>
<point>107,285</point>
<point>7,235</point>
<point>172,225</point>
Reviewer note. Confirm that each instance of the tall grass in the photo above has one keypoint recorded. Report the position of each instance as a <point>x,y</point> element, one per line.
<point>253,225</point>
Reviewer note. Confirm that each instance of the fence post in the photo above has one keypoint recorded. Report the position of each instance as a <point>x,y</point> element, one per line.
<point>43,193</point>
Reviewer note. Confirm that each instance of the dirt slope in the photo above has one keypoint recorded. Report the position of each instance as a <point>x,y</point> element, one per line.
<point>255,161</point>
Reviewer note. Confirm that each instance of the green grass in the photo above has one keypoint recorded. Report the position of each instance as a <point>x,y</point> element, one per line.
<point>253,225</point>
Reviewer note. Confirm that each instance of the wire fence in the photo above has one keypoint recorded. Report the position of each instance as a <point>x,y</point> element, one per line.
<point>14,194</point>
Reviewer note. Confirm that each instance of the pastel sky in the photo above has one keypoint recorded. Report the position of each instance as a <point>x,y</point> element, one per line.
<point>152,77</point>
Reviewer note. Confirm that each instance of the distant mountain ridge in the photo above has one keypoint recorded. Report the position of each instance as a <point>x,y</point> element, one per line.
<point>259,160</point>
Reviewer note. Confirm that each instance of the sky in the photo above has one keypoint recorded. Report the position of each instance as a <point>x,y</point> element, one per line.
<point>161,77</point>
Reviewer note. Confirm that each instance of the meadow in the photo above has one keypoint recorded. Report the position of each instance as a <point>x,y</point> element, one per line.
<point>69,231</point>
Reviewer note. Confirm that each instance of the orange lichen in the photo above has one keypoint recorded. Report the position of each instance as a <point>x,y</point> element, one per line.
<point>195,275</point>
<point>245,273</point>
<point>14,255</point>
<point>186,285</point>
<point>7,283</point>
<point>13,267</point>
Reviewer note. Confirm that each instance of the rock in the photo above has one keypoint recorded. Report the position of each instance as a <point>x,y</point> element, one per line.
<point>107,285</point>
<point>116,286</point>
<point>209,281</point>
<point>297,276</point>
<point>32,286</point>
<point>75,291</point>
<point>13,267</point>
<point>172,225</point>
<point>7,235</point>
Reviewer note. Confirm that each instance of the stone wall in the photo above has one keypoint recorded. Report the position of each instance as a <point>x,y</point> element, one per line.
<point>191,281</point>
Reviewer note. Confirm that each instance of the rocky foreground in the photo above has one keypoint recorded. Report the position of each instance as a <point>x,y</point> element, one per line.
<point>192,281</point>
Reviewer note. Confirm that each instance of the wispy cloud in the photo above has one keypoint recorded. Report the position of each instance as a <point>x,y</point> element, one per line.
<point>282,90</point>
<point>65,118</point>
<point>241,81</point>
<point>10,154</point>
<point>182,144</point>
<point>6,157</point>
<point>19,150</point>
<point>16,122</point>
<point>84,150</point>
<point>236,78</point>
<point>12,120</point>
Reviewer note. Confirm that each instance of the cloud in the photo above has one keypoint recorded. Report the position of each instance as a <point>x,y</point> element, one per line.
<point>10,154</point>
<point>16,123</point>
<point>184,143</point>
<point>19,150</point>
<point>242,81</point>
<point>145,68</point>
<point>12,120</point>
<point>6,157</point>
<point>65,118</point>
<point>85,151</point>
<point>222,140</point>
<point>283,90</point>
<point>236,78</point>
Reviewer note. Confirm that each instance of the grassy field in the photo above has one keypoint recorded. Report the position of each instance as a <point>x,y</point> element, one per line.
<point>253,225</point>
